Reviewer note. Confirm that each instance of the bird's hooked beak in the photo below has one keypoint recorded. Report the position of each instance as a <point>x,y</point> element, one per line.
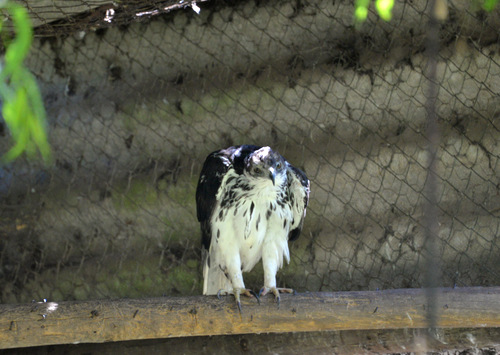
<point>272,174</point>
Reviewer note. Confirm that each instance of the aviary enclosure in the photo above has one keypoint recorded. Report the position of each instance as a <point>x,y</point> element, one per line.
<point>139,92</point>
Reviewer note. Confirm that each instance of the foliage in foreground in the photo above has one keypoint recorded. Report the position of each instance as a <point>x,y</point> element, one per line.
<point>22,105</point>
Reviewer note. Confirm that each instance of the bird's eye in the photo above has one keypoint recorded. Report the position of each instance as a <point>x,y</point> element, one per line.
<point>278,166</point>
<point>257,171</point>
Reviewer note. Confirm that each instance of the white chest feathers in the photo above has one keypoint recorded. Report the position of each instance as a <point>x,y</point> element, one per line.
<point>248,220</point>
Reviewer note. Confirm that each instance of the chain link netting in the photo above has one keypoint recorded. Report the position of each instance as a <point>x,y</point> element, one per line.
<point>137,96</point>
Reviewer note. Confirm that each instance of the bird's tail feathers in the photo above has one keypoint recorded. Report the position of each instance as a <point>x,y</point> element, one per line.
<point>214,279</point>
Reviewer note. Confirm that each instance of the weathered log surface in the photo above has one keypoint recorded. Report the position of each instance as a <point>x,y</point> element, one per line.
<point>132,319</point>
<point>450,341</point>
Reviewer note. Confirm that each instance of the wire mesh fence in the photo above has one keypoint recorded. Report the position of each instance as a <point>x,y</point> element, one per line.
<point>138,95</point>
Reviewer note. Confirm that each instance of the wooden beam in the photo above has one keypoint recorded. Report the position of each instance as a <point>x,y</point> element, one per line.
<point>449,341</point>
<point>43,12</point>
<point>131,319</point>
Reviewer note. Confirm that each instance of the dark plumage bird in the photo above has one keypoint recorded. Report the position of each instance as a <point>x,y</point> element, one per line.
<point>250,202</point>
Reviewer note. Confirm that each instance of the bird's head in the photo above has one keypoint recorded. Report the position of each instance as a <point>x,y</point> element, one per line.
<point>264,163</point>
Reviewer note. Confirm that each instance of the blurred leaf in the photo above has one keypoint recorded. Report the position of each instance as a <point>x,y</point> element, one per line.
<point>384,8</point>
<point>23,109</point>
<point>489,5</point>
<point>361,10</point>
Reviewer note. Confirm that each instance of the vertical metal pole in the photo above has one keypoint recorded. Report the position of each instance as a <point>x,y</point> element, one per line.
<point>433,265</point>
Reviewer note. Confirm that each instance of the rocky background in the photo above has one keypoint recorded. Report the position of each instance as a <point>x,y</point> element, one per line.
<point>135,106</point>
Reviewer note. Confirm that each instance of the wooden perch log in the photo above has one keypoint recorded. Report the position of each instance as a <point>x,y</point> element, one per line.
<point>43,12</point>
<point>98,321</point>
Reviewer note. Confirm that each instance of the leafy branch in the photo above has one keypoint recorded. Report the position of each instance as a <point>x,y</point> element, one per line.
<point>384,8</point>
<point>22,105</point>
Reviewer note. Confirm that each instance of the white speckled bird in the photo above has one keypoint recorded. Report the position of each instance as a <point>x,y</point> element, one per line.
<point>250,202</point>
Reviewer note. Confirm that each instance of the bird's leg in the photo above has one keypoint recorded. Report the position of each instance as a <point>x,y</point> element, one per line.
<point>270,263</point>
<point>233,273</point>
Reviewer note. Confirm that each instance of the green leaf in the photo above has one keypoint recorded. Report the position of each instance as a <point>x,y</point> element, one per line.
<point>361,10</point>
<point>489,5</point>
<point>384,8</point>
<point>23,109</point>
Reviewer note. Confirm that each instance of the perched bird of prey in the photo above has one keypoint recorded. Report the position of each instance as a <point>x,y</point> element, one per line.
<point>250,202</point>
